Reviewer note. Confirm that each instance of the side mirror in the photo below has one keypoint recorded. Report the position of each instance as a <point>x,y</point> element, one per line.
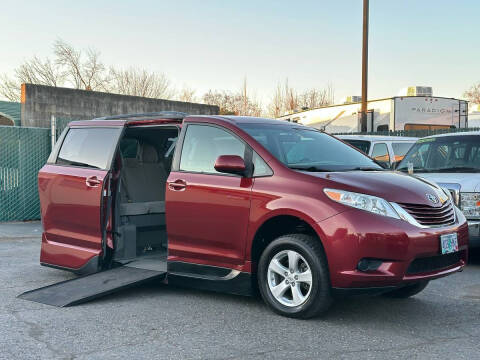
<point>230,164</point>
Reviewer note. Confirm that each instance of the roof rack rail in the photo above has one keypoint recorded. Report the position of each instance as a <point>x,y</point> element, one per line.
<point>163,114</point>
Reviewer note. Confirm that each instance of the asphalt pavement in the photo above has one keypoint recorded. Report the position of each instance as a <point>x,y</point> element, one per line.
<point>156,321</point>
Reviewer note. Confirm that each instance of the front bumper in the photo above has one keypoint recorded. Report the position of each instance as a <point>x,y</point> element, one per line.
<point>353,235</point>
<point>474,233</point>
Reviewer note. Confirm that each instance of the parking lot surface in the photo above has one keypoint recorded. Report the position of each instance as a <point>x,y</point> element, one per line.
<point>164,322</point>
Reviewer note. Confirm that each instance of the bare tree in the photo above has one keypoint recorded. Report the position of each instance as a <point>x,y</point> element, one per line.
<point>34,71</point>
<point>473,94</point>
<point>247,105</point>
<point>276,107</point>
<point>9,88</point>
<point>314,98</point>
<point>223,99</point>
<point>187,94</point>
<point>84,70</point>
<point>287,100</point>
<point>140,82</point>
<point>234,103</point>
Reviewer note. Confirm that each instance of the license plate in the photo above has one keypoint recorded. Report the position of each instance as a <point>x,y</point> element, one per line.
<point>449,243</point>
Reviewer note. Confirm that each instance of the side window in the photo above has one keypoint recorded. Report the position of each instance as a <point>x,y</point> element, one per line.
<point>474,158</point>
<point>129,148</point>
<point>91,147</point>
<point>380,153</point>
<point>419,158</point>
<point>400,150</point>
<point>260,167</point>
<point>204,144</point>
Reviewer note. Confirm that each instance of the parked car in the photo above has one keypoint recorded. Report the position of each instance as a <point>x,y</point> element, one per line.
<point>235,203</point>
<point>386,150</point>
<point>452,161</point>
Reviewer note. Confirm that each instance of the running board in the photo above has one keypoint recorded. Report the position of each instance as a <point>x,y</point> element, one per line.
<point>89,287</point>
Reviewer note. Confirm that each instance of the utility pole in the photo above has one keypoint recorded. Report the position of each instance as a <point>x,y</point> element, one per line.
<point>363,119</point>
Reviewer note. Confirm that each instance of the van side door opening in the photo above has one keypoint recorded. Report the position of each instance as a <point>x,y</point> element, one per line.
<point>143,163</point>
<point>76,173</point>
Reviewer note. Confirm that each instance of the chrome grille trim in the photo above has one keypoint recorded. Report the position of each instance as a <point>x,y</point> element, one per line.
<point>432,216</point>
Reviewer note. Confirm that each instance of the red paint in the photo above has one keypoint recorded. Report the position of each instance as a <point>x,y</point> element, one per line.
<point>213,219</point>
<point>71,215</point>
<point>230,164</point>
<point>207,219</point>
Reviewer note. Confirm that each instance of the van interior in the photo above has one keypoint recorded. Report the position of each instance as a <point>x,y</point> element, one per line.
<point>142,165</point>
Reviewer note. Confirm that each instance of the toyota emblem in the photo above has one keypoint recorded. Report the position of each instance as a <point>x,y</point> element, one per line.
<point>432,198</point>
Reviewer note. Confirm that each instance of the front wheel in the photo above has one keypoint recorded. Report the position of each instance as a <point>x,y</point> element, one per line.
<point>293,276</point>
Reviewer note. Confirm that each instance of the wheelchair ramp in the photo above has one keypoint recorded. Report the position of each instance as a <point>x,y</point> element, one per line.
<point>86,288</point>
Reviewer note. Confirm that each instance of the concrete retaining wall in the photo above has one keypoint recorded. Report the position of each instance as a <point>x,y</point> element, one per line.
<point>40,102</point>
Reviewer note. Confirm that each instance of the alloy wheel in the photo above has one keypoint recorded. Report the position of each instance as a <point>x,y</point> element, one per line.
<point>289,278</point>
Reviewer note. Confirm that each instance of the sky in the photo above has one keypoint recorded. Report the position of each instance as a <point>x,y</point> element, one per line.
<point>214,44</point>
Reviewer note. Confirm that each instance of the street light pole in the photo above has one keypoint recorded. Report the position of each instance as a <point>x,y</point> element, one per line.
<point>363,120</point>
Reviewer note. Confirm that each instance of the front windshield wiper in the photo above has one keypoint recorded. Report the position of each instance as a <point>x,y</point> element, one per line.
<point>458,169</point>
<point>419,170</point>
<point>310,168</point>
<point>366,168</point>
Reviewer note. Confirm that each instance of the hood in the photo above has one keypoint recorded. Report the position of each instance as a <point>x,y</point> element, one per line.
<point>391,186</point>
<point>468,182</point>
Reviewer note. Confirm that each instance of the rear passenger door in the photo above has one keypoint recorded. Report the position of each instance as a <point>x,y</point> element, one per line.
<point>207,212</point>
<point>72,188</point>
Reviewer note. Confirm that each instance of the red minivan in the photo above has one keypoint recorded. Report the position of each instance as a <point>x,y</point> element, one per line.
<point>237,204</point>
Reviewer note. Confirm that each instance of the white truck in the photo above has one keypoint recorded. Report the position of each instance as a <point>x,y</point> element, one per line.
<point>396,113</point>
<point>386,150</point>
<point>453,162</point>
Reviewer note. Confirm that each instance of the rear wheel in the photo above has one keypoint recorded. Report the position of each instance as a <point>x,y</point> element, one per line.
<point>407,291</point>
<point>293,276</point>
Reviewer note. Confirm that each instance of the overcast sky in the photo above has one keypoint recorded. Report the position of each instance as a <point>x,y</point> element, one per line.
<point>214,44</point>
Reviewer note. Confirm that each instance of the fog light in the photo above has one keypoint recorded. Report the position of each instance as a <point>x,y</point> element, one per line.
<point>369,264</point>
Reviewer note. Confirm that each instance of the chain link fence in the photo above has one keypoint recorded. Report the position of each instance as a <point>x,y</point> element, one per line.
<point>23,151</point>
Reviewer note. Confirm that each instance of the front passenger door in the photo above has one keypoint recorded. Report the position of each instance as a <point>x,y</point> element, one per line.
<point>207,212</point>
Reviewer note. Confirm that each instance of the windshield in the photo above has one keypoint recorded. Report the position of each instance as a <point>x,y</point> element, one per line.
<point>400,149</point>
<point>308,149</point>
<point>444,154</point>
<point>361,145</point>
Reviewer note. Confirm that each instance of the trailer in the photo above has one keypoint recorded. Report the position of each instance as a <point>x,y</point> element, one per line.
<point>395,113</point>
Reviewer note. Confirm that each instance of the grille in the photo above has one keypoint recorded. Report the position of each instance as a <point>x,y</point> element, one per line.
<point>428,264</point>
<point>431,216</point>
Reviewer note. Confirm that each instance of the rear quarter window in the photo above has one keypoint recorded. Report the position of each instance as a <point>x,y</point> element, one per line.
<point>90,147</point>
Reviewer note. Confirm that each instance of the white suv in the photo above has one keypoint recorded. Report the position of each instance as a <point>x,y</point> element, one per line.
<point>386,150</point>
<point>452,161</point>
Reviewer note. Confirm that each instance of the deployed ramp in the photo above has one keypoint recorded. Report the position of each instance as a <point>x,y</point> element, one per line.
<point>86,288</point>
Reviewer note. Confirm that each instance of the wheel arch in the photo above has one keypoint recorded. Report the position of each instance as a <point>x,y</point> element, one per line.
<point>276,225</point>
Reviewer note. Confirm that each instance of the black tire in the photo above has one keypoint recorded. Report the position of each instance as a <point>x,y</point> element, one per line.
<point>310,248</point>
<point>407,291</point>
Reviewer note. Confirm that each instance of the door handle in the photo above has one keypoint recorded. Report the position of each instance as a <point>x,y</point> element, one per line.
<point>92,181</point>
<point>177,185</point>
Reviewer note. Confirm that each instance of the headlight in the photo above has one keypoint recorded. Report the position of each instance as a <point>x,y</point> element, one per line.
<point>470,204</point>
<point>369,203</point>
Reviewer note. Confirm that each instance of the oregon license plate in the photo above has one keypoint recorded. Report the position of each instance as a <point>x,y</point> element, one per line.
<point>449,243</point>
